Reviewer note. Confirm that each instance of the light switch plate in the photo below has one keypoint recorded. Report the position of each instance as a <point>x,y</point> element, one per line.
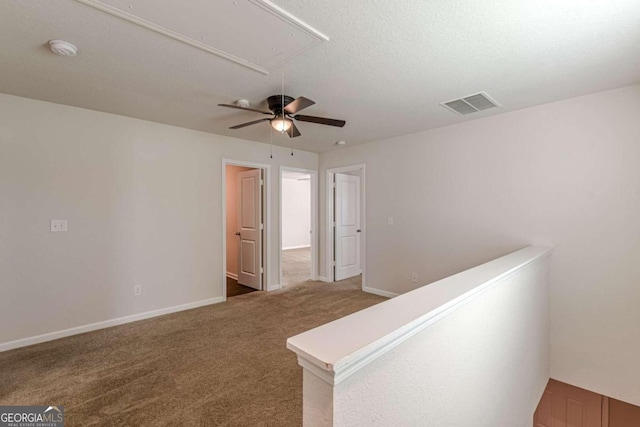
<point>390,220</point>
<point>58,225</point>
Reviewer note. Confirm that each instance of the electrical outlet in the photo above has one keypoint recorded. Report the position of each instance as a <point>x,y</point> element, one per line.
<point>414,277</point>
<point>58,225</point>
<point>137,290</point>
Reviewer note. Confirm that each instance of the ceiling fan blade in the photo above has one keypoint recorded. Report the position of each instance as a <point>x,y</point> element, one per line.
<point>298,104</point>
<point>249,123</point>
<point>237,107</point>
<point>320,120</point>
<point>293,131</point>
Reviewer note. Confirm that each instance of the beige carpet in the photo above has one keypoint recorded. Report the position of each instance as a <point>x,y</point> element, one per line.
<point>221,365</point>
<point>296,266</point>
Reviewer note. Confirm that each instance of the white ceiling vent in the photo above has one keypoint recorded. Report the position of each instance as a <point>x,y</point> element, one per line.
<point>471,104</point>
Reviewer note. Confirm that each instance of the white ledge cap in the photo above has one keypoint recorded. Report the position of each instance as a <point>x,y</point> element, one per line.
<point>338,349</point>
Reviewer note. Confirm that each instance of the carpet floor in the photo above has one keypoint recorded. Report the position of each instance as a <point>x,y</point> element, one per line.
<point>220,365</point>
<point>296,266</point>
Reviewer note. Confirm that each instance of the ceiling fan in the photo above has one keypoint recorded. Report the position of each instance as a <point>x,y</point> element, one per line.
<point>283,112</point>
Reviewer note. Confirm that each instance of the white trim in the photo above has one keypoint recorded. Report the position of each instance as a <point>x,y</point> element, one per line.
<point>232,275</point>
<point>329,272</point>
<point>323,279</point>
<point>267,219</point>
<point>315,241</point>
<point>289,18</point>
<point>274,287</point>
<point>265,5</point>
<point>323,374</point>
<point>114,11</point>
<point>289,248</point>
<point>50,336</point>
<point>380,292</point>
<point>342,362</point>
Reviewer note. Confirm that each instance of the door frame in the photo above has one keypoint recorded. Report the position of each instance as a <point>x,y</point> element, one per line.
<point>330,247</point>
<point>314,220</point>
<point>266,208</point>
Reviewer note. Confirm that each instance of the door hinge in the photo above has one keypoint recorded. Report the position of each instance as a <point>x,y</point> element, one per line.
<point>334,224</point>
<point>261,226</point>
<point>261,270</point>
<point>261,182</point>
<point>334,185</point>
<point>334,263</point>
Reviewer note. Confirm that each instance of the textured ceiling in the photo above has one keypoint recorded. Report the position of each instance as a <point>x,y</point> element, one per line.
<point>385,69</point>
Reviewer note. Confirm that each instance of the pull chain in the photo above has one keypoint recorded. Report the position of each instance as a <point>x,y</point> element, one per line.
<point>282,89</point>
<point>283,112</point>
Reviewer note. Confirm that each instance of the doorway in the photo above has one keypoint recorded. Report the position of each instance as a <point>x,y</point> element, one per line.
<point>345,224</point>
<point>298,225</point>
<point>244,211</point>
<point>564,405</point>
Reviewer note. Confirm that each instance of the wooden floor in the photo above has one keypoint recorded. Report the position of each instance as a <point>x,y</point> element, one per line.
<point>234,289</point>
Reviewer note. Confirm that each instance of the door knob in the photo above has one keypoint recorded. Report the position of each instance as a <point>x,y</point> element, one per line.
<point>238,233</point>
<point>359,231</point>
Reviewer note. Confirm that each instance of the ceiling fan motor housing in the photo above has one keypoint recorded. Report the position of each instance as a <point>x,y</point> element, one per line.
<point>275,103</point>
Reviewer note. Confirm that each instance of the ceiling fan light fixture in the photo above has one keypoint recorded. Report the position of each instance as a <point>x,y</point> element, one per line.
<point>281,123</point>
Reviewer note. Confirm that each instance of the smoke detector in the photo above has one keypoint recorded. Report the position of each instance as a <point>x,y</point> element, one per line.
<point>471,104</point>
<point>63,48</point>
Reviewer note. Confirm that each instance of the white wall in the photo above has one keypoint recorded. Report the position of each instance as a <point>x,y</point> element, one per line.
<point>469,350</point>
<point>565,174</point>
<point>485,365</point>
<point>296,213</point>
<point>143,201</point>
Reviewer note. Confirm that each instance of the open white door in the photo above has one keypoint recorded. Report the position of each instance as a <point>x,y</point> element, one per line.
<point>250,229</point>
<point>347,226</point>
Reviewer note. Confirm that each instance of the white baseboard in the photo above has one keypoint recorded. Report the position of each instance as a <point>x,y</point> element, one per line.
<point>379,292</point>
<point>323,279</point>
<point>23,342</point>
<point>232,276</point>
<point>274,287</point>
<point>296,247</point>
